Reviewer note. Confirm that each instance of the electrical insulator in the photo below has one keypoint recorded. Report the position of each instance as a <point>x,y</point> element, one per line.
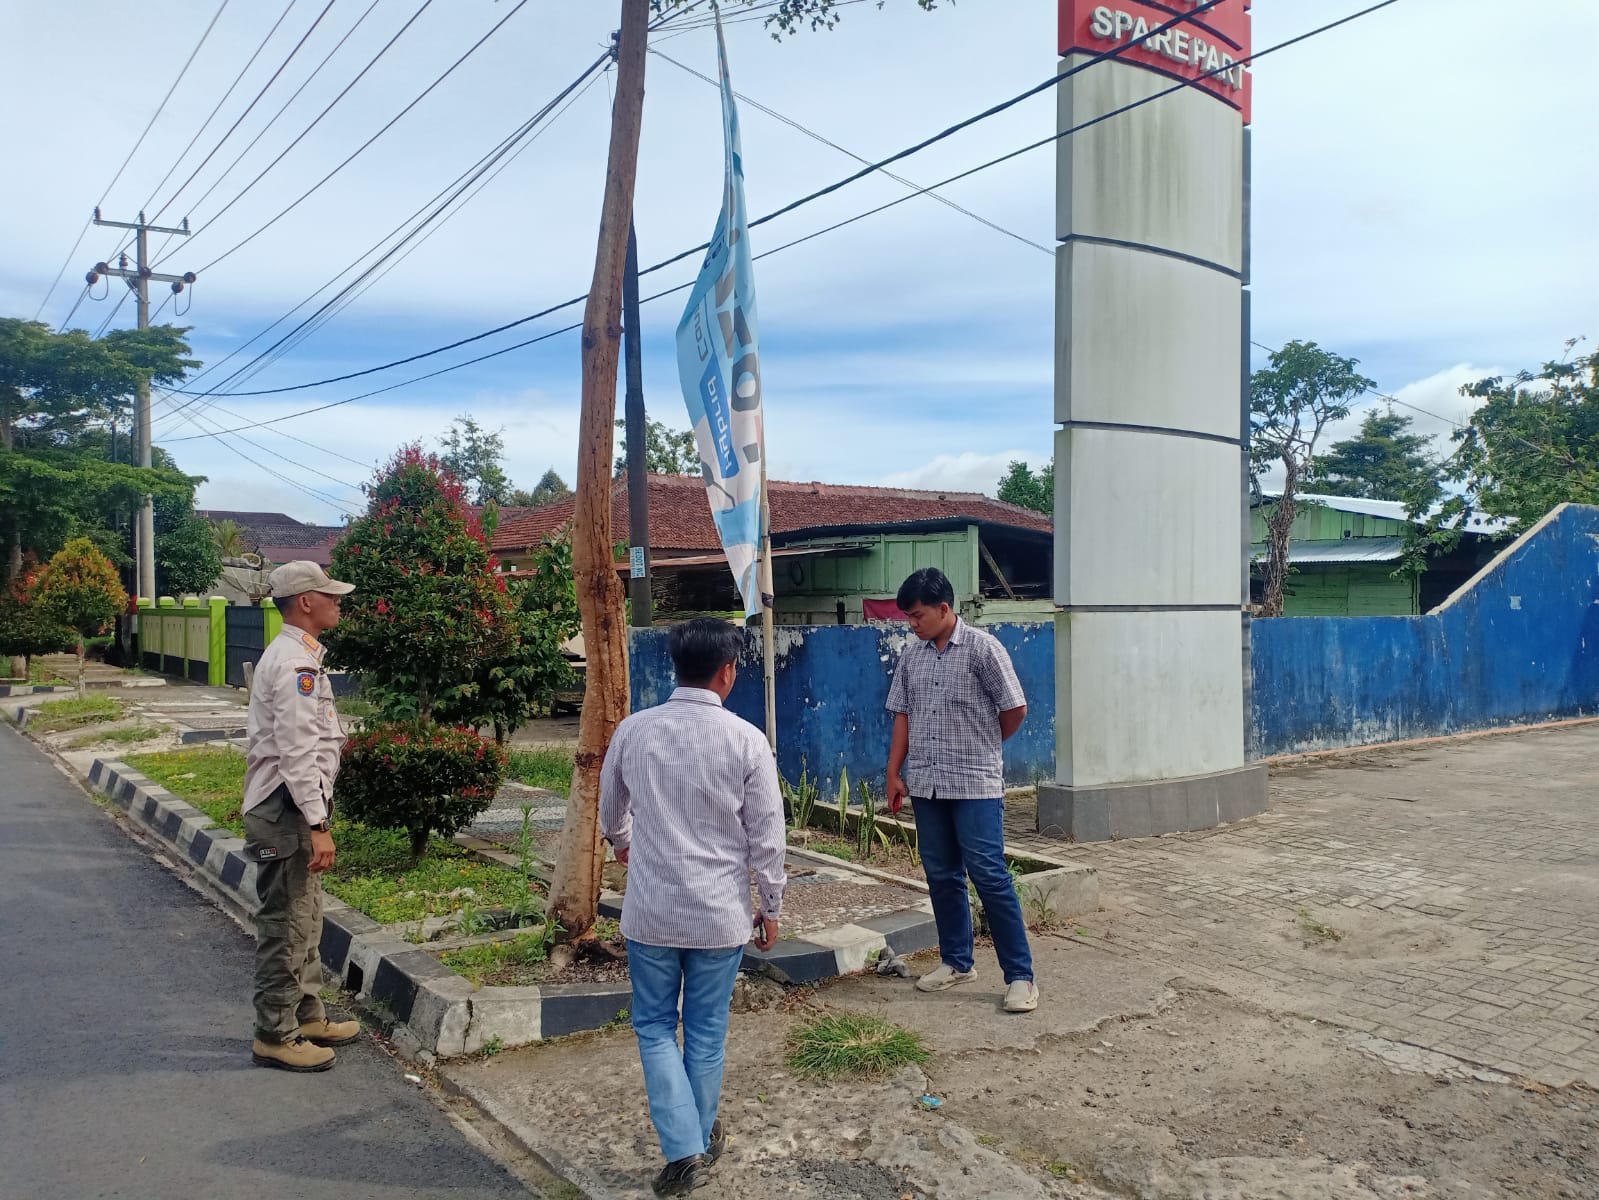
<point>102,268</point>
<point>189,277</point>
<point>176,288</point>
<point>92,278</point>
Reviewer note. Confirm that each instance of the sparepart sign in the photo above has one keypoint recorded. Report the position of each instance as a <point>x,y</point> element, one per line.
<point>1211,47</point>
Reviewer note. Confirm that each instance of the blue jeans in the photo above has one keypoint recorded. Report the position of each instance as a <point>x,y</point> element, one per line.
<point>966,838</point>
<point>684,1086</point>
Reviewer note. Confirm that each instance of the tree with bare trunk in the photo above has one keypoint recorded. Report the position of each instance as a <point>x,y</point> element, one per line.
<point>1292,401</point>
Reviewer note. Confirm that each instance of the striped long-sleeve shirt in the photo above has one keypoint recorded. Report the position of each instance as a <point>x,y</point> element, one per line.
<point>690,790</point>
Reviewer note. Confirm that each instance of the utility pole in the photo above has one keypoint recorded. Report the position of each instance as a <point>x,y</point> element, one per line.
<point>638,476</point>
<point>138,280</point>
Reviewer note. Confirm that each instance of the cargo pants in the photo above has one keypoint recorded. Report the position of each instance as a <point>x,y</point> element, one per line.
<point>288,925</point>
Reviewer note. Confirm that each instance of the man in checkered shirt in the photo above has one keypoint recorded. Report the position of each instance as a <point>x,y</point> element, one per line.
<point>955,699</point>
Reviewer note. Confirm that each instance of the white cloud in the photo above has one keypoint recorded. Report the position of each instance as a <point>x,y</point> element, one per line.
<point>966,472</point>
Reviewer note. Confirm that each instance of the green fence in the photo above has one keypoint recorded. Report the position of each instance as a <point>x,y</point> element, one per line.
<point>188,640</point>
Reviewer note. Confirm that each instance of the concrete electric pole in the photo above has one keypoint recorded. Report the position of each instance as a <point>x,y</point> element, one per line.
<point>138,279</point>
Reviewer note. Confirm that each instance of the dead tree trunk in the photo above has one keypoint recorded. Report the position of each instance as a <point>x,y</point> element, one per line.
<point>575,890</point>
<point>1279,524</point>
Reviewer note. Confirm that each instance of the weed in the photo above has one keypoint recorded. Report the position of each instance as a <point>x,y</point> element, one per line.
<point>987,1139</point>
<point>54,716</point>
<point>133,733</point>
<point>853,1045</point>
<point>470,921</point>
<point>1081,932</point>
<point>492,1046</point>
<point>868,834</point>
<point>761,1096</point>
<point>843,803</point>
<point>547,767</point>
<point>528,904</point>
<point>607,929</point>
<point>1060,1170</point>
<point>621,1020</point>
<point>479,962</point>
<point>1315,929</point>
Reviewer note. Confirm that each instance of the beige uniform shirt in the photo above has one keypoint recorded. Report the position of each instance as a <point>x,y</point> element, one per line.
<point>293,729</point>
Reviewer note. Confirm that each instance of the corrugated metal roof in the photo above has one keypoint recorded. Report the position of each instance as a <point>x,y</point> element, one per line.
<point>1391,510</point>
<point>1345,550</point>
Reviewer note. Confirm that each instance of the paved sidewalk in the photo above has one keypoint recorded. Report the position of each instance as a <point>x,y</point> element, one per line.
<point>1463,876</point>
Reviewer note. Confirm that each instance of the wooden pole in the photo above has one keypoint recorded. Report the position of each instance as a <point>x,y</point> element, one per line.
<point>575,889</point>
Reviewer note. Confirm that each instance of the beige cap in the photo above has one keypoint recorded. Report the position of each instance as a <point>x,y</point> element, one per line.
<point>303,575</point>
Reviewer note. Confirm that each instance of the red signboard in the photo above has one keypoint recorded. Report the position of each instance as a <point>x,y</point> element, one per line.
<point>1213,44</point>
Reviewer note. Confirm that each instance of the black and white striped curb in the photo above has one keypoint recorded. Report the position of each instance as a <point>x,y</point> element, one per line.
<point>31,689</point>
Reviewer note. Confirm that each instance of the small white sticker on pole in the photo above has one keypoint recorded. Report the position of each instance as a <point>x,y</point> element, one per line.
<point>635,560</point>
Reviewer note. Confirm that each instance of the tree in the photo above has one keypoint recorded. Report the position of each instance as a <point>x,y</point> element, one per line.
<point>229,538</point>
<point>427,604</point>
<point>187,561</point>
<point>1022,486</point>
<point>80,590</point>
<point>476,457</point>
<point>666,451</point>
<point>510,688</point>
<point>1291,403</point>
<point>1531,444</point>
<point>26,629</point>
<point>550,488</point>
<point>61,395</point>
<point>1385,462</point>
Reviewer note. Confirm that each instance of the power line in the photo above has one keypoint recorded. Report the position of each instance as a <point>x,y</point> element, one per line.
<point>438,203</point>
<point>787,245</point>
<point>249,108</point>
<point>184,70</point>
<point>1380,395</point>
<point>814,136</point>
<point>216,108</point>
<point>237,246</point>
<point>1054,80</point>
<point>317,70</point>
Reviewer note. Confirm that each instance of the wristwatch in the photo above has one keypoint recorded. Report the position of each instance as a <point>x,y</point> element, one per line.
<point>323,826</point>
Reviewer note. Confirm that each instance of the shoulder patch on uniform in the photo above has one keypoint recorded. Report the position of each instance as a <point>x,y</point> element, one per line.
<point>305,682</point>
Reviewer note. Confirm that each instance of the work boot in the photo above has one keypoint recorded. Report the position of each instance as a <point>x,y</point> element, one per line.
<point>682,1176</point>
<point>331,1033</point>
<point>718,1142</point>
<point>296,1054</point>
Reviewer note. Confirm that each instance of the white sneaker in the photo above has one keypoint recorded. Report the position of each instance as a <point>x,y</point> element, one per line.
<point>943,976</point>
<point>1021,996</point>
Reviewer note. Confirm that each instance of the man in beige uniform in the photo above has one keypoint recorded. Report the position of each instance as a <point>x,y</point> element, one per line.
<point>295,739</point>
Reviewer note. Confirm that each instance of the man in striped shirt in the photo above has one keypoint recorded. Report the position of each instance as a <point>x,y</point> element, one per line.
<point>689,800</point>
<point>955,699</point>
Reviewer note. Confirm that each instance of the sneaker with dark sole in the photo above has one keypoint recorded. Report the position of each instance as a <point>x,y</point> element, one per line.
<point>718,1142</point>
<point>681,1177</point>
<point>296,1054</point>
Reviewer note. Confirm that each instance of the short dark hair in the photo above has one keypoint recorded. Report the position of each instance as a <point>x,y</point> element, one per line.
<point>284,603</point>
<point>929,586</point>
<point>702,647</point>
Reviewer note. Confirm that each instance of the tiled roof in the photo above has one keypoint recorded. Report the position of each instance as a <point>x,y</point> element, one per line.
<point>680,518</point>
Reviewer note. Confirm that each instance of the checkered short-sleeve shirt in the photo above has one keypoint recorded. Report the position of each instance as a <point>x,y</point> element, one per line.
<point>953,700</point>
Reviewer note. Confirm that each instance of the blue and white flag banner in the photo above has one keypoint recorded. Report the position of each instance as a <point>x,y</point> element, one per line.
<point>719,366</point>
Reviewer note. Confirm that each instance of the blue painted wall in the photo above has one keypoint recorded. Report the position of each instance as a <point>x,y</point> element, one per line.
<point>1520,644</point>
<point>832,684</point>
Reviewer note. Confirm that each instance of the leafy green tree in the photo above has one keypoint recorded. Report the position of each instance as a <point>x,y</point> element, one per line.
<point>187,561</point>
<point>26,628</point>
<point>229,538</point>
<point>1384,462</point>
<point>1530,445</point>
<point>666,451</point>
<point>427,605</point>
<point>80,590</point>
<point>476,456</point>
<point>1023,486</point>
<point>1292,401</point>
<point>550,488</point>
<point>60,396</point>
<point>511,688</point>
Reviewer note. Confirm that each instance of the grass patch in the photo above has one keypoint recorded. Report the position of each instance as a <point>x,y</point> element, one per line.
<point>354,707</point>
<point>547,767</point>
<point>1315,930</point>
<point>122,737</point>
<point>852,1045</point>
<point>42,676</point>
<point>498,962</point>
<point>211,779</point>
<point>53,716</point>
<point>373,871</point>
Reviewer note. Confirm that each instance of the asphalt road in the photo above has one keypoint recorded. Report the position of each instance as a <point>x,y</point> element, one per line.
<point>125,1039</point>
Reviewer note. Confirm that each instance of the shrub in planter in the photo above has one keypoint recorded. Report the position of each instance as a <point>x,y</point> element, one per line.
<point>417,777</point>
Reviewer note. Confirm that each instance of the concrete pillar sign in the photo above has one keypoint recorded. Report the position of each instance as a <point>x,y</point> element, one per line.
<point>1150,397</point>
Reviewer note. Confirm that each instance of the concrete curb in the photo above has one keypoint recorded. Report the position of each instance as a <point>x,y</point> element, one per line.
<point>31,689</point>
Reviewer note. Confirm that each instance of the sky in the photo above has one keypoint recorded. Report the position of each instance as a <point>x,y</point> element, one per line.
<point>1424,200</point>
